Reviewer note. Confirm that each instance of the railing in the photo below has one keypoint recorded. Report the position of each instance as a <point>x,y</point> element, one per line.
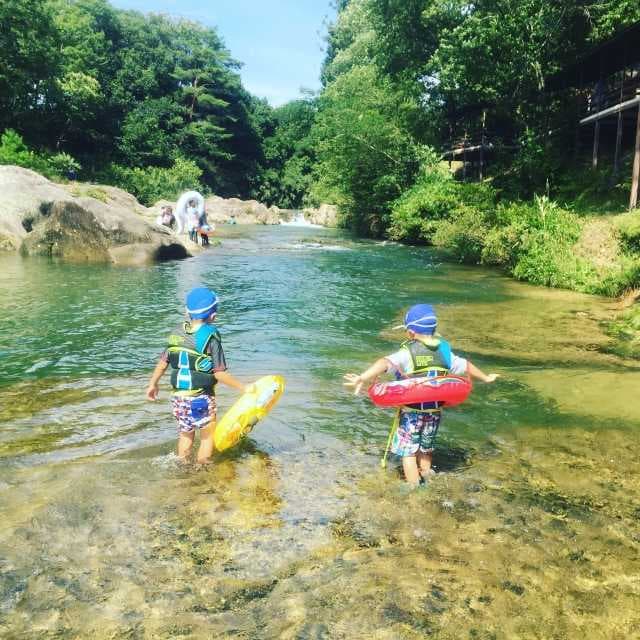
<point>473,143</point>
<point>611,92</point>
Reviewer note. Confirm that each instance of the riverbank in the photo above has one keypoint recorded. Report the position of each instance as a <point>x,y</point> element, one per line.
<point>589,244</point>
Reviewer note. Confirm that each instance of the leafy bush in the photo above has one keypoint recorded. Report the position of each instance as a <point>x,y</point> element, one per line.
<point>621,279</point>
<point>62,163</point>
<point>417,214</point>
<point>626,332</point>
<point>629,229</point>
<point>150,184</point>
<point>535,241</point>
<point>590,191</point>
<point>14,151</point>
<point>464,235</point>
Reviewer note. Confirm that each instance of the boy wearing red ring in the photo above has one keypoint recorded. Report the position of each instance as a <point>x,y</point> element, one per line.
<point>423,354</point>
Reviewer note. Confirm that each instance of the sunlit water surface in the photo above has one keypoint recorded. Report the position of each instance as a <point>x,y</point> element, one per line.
<point>530,530</point>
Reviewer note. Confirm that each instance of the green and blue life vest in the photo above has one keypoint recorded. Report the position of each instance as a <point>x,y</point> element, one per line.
<point>430,357</point>
<point>192,368</point>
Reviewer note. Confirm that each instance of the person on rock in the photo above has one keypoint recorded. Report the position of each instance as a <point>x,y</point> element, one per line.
<point>423,354</point>
<point>166,217</point>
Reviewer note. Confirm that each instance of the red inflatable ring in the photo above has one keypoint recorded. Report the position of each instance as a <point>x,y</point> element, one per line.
<point>448,390</point>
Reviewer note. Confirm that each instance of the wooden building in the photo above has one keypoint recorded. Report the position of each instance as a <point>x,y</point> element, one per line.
<point>607,84</point>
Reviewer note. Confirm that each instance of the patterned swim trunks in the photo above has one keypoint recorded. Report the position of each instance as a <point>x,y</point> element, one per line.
<point>193,411</point>
<point>416,432</point>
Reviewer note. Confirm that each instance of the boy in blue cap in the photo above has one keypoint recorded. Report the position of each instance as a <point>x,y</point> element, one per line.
<point>194,353</point>
<point>423,354</point>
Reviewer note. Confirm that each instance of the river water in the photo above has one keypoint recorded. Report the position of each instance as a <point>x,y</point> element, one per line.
<point>531,528</point>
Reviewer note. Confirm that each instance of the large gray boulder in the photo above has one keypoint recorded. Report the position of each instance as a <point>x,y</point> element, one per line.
<point>242,211</point>
<point>97,224</point>
<point>22,193</point>
<point>325,215</point>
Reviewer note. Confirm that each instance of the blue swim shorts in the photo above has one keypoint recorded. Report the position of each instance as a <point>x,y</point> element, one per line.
<point>193,411</point>
<point>416,432</point>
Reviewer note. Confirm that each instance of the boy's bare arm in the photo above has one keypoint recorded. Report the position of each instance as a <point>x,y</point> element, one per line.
<point>152,388</point>
<point>474,372</point>
<point>226,378</point>
<point>357,380</point>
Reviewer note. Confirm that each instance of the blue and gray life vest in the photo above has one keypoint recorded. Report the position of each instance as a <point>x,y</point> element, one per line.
<point>192,369</point>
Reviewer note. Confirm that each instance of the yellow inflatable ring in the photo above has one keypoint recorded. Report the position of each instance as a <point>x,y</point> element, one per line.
<point>251,407</point>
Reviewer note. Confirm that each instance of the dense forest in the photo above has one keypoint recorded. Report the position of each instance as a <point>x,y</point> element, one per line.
<point>147,102</point>
<point>155,104</point>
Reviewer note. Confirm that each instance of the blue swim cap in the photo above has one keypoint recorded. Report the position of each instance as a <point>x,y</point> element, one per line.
<point>421,318</point>
<point>201,303</point>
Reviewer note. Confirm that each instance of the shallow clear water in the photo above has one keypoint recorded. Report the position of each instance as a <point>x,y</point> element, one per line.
<point>531,530</point>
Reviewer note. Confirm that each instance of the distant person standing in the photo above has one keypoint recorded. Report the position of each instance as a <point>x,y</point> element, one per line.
<point>193,220</point>
<point>205,228</point>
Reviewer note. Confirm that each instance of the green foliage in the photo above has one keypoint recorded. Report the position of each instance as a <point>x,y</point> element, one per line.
<point>436,197</point>
<point>112,86</point>
<point>289,153</point>
<point>536,243</point>
<point>623,277</point>
<point>464,234</point>
<point>366,158</point>
<point>629,229</point>
<point>62,163</point>
<point>13,150</point>
<point>29,46</point>
<point>587,191</point>
<point>625,331</point>
<point>150,184</point>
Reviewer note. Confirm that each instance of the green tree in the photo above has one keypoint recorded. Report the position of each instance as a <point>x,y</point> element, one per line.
<point>366,156</point>
<point>289,154</point>
<point>28,61</point>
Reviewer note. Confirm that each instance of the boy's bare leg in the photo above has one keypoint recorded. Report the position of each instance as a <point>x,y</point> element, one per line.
<point>424,463</point>
<point>185,444</point>
<point>410,468</point>
<point>206,443</point>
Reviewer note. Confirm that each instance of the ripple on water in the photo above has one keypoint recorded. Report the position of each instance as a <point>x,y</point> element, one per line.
<point>530,530</point>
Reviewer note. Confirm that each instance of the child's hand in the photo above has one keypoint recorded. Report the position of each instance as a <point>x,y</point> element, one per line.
<point>250,388</point>
<point>355,381</point>
<point>492,377</point>
<point>152,392</point>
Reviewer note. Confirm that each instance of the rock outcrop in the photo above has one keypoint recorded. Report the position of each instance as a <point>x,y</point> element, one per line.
<point>228,210</point>
<point>105,225</point>
<point>325,215</point>
<point>23,193</point>
<point>242,211</point>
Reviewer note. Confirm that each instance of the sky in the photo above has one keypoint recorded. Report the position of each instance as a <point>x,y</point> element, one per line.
<point>279,42</point>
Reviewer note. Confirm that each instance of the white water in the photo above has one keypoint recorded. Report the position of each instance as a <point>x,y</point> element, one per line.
<point>299,220</point>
